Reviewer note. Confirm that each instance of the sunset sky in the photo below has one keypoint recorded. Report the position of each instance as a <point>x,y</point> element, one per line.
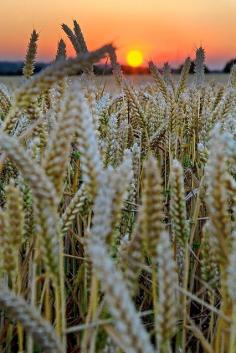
<point>163,30</point>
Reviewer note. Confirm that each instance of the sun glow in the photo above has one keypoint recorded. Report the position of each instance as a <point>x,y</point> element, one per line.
<point>135,58</point>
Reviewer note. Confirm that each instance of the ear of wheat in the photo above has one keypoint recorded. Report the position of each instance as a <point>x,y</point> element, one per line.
<point>104,188</point>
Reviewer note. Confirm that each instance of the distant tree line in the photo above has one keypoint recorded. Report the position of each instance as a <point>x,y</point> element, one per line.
<point>14,68</point>
<point>229,65</point>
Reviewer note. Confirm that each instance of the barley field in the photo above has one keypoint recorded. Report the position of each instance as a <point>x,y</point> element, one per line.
<point>118,206</point>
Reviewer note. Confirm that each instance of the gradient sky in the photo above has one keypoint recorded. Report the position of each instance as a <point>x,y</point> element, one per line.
<point>164,30</point>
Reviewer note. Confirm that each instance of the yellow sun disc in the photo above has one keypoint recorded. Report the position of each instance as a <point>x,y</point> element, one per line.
<point>134,58</point>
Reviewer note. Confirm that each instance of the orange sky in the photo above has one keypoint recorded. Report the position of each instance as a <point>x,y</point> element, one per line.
<point>164,30</point>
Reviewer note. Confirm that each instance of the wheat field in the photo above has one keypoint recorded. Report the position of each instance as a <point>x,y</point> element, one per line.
<point>117,219</point>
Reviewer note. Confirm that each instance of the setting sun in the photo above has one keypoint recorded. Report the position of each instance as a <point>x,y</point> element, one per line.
<point>134,58</point>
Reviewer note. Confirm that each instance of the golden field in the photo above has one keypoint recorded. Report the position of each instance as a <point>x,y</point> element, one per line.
<point>117,219</point>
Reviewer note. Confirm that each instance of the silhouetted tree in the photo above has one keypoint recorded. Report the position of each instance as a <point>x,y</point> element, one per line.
<point>229,65</point>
